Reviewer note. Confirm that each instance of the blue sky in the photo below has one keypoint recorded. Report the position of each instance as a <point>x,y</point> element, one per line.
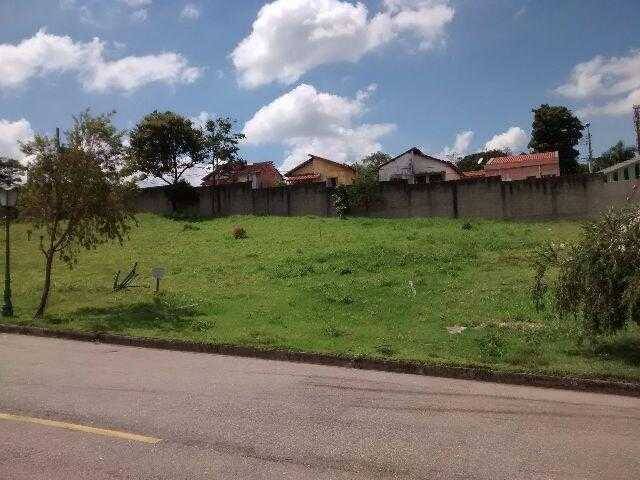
<point>331,77</point>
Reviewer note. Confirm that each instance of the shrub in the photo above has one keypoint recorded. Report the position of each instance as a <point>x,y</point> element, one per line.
<point>364,193</point>
<point>182,195</point>
<point>598,277</point>
<point>239,232</point>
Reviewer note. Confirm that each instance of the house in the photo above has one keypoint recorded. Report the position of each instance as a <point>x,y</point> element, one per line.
<point>413,166</point>
<point>261,175</point>
<point>629,170</point>
<point>318,169</point>
<point>520,167</point>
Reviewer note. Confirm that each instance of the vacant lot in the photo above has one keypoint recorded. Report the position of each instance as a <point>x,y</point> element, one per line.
<point>373,287</point>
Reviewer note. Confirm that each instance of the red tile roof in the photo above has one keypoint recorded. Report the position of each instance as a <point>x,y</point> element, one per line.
<point>240,169</point>
<point>477,173</point>
<point>517,161</point>
<point>307,177</point>
<point>480,174</point>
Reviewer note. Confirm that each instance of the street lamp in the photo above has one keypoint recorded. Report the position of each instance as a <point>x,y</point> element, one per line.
<point>8,201</point>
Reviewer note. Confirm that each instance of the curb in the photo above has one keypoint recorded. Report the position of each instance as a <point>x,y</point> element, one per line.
<point>396,366</point>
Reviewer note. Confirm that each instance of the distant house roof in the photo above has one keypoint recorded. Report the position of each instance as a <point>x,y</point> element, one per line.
<point>304,178</point>
<point>526,160</point>
<point>475,174</point>
<point>417,151</point>
<point>618,166</point>
<point>316,157</point>
<point>241,169</point>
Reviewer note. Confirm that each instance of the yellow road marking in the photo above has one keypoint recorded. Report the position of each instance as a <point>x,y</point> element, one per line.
<point>81,428</point>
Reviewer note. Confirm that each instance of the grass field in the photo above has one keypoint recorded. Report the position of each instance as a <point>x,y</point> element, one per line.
<point>363,287</point>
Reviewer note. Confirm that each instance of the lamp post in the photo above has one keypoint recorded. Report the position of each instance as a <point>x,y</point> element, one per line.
<point>8,200</point>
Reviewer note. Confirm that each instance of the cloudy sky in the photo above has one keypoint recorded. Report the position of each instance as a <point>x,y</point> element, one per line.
<point>336,78</point>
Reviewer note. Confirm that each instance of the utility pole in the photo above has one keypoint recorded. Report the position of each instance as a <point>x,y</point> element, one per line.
<point>636,115</point>
<point>588,125</point>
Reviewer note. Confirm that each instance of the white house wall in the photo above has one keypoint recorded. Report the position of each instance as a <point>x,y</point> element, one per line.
<point>410,164</point>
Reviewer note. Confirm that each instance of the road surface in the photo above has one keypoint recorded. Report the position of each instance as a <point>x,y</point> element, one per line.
<point>73,410</point>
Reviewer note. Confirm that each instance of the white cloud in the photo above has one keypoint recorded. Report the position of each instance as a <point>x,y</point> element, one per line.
<point>130,73</point>
<point>291,37</point>
<point>10,134</point>
<point>514,140</point>
<point>460,146</point>
<point>140,15</point>
<point>614,77</point>
<point>201,119</point>
<point>45,54</point>
<point>190,12</point>
<point>306,121</point>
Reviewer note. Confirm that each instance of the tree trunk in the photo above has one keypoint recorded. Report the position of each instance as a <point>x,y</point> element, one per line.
<point>47,285</point>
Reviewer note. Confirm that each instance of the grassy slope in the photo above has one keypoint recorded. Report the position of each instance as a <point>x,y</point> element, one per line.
<point>329,285</point>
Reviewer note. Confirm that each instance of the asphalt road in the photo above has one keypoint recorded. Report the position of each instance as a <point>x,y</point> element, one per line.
<point>221,417</point>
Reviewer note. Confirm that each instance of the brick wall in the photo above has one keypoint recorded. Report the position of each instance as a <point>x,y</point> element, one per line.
<point>545,198</point>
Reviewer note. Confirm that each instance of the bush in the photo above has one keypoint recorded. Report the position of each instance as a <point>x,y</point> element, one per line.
<point>598,277</point>
<point>364,193</point>
<point>182,195</point>
<point>239,232</point>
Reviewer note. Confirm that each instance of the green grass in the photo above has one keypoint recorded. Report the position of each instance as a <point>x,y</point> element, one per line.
<point>363,287</point>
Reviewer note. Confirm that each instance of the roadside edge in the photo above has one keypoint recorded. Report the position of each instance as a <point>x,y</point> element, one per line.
<point>395,366</point>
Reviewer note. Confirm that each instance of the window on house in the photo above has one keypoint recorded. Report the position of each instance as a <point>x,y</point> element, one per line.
<point>436,177</point>
<point>615,176</point>
<point>626,173</point>
<point>332,182</point>
<point>420,178</point>
<point>637,168</point>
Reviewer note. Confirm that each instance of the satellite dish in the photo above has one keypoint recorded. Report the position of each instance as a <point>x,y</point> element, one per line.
<point>480,160</point>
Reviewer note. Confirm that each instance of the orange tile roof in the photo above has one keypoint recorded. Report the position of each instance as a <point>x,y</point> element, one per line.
<point>473,174</point>
<point>517,161</point>
<point>236,169</point>
<point>307,177</point>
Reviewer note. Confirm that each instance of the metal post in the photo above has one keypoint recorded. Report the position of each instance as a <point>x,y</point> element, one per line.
<point>636,115</point>
<point>590,147</point>
<point>7,308</point>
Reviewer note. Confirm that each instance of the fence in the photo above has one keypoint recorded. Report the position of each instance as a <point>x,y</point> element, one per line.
<point>547,198</point>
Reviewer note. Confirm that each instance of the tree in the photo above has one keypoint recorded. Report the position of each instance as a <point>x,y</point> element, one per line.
<point>556,128</point>
<point>76,195</point>
<point>471,163</point>
<point>373,160</point>
<point>222,144</point>
<point>11,172</point>
<point>365,190</point>
<point>597,277</point>
<point>616,154</point>
<point>165,146</point>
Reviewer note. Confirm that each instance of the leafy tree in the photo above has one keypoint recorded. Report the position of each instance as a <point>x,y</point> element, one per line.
<point>222,143</point>
<point>165,146</point>
<point>470,162</point>
<point>616,154</point>
<point>365,190</point>
<point>11,171</point>
<point>76,195</point>
<point>596,278</point>
<point>556,128</point>
<point>374,160</point>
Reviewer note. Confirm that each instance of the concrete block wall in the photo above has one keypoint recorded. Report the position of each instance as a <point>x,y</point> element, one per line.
<point>547,198</point>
